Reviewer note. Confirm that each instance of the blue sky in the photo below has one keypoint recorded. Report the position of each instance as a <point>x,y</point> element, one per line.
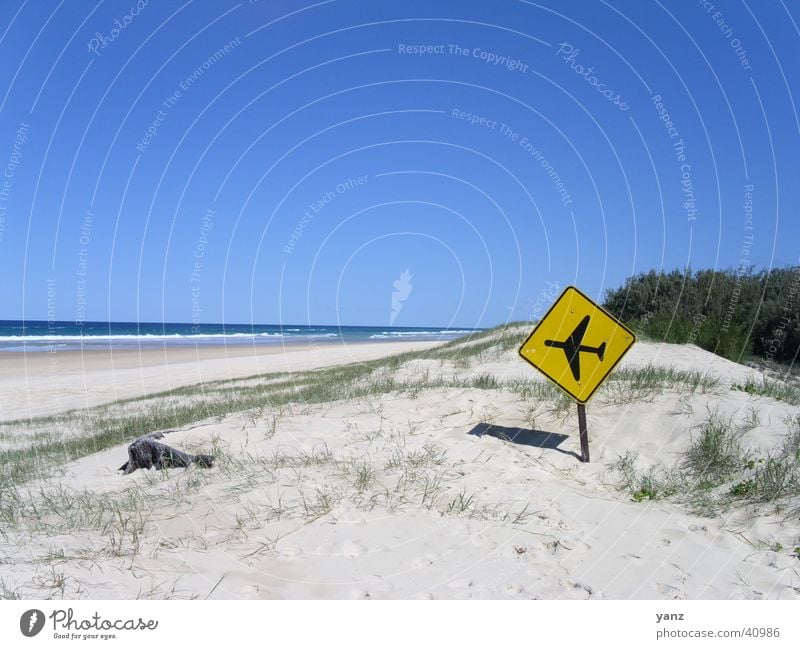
<point>286,161</point>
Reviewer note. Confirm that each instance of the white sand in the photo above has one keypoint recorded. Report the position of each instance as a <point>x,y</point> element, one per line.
<point>440,513</point>
<point>39,383</point>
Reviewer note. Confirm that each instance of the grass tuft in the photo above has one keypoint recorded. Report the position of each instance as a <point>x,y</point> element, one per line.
<point>655,483</point>
<point>777,390</point>
<point>715,454</point>
<point>715,474</point>
<point>632,384</point>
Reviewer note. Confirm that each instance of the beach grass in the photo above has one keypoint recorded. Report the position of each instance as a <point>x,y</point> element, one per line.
<point>778,390</point>
<point>715,473</point>
<point>635,384</point>
<point>653,483</point>
<point>713,459</point>
<point>111,425</point>
<point>121,517</point>
<point>715,453</point>
<point>269,482</point>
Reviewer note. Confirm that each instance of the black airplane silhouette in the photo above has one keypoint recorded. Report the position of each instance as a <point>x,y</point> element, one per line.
<point>572,347</point>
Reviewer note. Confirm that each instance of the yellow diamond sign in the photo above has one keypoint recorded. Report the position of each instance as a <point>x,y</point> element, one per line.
<point>577,344</point>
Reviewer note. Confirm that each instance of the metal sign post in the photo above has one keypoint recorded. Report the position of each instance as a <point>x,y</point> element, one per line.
<point>584,432</point>
<point>576,345</point>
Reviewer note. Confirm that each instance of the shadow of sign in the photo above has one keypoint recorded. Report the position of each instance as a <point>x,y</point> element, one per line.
<point>523,437</point>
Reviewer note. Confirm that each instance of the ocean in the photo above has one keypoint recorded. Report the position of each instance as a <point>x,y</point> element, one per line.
<point>41,335</point>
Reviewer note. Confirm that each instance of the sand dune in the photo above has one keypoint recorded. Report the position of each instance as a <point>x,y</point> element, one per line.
<point>435,477</point>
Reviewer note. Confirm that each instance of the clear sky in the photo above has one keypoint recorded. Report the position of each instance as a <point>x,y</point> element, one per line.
<point>286,161</point>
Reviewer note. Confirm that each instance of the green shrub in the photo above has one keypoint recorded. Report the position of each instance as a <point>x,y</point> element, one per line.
<point>733,312</point>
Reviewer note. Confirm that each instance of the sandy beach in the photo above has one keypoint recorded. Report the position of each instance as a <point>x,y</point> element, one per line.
<point>40,383</point>
<point>450,474</point>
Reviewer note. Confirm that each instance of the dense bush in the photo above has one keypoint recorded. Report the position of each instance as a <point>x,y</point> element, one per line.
<point>734,313</point>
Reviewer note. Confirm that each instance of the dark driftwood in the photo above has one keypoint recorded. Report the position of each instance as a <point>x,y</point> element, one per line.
<point>145,453</point>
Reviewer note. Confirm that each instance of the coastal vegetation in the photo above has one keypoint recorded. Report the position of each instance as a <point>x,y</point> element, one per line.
<point>735,313</point>
<point>34,448</point>
<point>716,473</point>
<point>413,434</point>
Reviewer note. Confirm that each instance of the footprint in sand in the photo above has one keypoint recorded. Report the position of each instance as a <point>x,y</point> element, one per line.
<point>668,590</point>
<point>557,524</point>
<point>424,561</point>
<point>346,548</point>
<point>352,549</point>
<point>290,553</point>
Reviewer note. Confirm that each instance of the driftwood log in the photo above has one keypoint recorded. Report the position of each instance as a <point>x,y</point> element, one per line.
<point>145,453</point>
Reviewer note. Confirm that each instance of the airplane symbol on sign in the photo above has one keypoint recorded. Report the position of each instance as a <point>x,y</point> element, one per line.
<point>572,347</point>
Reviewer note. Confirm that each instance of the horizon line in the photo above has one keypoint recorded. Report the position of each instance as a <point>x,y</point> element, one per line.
<point>234,324</point>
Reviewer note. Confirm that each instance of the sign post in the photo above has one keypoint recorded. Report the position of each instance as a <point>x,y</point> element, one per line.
<point>576,345</point>
<point>584,432</point>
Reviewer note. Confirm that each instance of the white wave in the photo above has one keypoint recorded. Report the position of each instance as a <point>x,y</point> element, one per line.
<point>402,334</point>
<point>95,338</point>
